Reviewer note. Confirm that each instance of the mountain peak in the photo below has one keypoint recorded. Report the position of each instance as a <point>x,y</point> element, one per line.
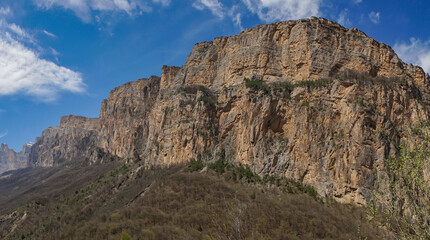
<point>299,50</point>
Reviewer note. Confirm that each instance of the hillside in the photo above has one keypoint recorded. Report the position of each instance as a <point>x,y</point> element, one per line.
<point>307,101</point>
<point>173,203</point>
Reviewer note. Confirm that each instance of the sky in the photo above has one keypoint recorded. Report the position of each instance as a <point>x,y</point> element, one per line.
<point>61,57</point>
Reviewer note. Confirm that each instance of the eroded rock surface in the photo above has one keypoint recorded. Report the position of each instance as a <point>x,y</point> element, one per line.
<point>75,139</point>
<point>332,134</point>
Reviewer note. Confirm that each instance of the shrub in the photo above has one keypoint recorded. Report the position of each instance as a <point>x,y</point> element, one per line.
<point>206,100</point>
<point>252,196</point>
<point>409,185</point>
<point>247,174</point>
<point>218,166</point>
<point>417,131</point>
<point>288,86</point>
<point>305,103</point>
<point>125,236</point>
<point>322,82</point>
<point>256,85</point>
<point>195,165</point>
<point>190,89</point>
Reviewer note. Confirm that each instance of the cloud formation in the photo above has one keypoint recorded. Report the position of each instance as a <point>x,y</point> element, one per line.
<point>416,52</point>
<point>213,5</point>
<point>4,134</point>
<point>83,8</point>
<point>343,18</point>
<point>281,10</point>
<point>22,71</point>
<point>163,2</point>
<point>49,34</point>
<point>375,17</point>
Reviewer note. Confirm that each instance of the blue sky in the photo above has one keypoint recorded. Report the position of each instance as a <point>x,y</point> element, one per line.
<point>60,57</point>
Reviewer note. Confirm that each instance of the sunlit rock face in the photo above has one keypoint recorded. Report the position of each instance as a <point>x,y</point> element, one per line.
<point>75,139</point>
<point>332,134</point>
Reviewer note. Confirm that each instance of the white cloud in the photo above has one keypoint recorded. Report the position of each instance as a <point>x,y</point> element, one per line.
<point>238,20</point>
<point>213,5</point>
<point>49,34</point>
<point>22,71</point>
<point>83,8</point>
<point>375,17</point>
<point>163,2</point>
<point>275,10</point>
<point>358,1</point>
<point>5,11</point>
<point>416,52</point>
<point>343,18</point>
<point>236,16</point>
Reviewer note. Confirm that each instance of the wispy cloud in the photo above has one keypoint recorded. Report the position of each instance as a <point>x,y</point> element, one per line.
<point>235,14</point>
<point>343,18</point>
<point>266,10</point>
<point>213,5</point>
<point>375,17</point>
<point>415,51</point>
<point>49,34</point>
<point>238,20</point>
<point>5,11</point>
<point>4,134</point>
<point>163,2</point>
<point>22,71</point>
<point>275,10</point>
<point>83,8</point>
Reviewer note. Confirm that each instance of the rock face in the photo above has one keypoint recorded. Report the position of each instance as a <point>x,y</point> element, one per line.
<point>332,133</point>
<point>10,160</point>
<point>292,51</point>
<point>74,139</point>
<point>124,116</point>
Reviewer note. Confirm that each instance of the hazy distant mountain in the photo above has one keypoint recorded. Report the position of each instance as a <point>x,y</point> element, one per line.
<point>10,160</point>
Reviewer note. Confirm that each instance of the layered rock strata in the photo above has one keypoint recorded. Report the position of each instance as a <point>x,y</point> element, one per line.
<point>332,133</point>
<point>75,139</point>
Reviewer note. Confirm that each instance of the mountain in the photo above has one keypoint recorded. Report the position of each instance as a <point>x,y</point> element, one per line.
<point>10,160</point>
<point>307,100</point>
<point>327,136</point>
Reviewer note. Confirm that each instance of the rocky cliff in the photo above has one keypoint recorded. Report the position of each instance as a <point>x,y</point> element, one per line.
<point>308,99</point>
<point>292,51</point>
<point>11,160</point>
<point>74,139</point>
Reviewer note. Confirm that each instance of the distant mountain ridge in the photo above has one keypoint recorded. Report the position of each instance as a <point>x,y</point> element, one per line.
<point>11,160</point>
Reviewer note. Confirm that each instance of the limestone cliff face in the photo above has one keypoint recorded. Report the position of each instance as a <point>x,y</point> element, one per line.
<point>124,117</point>
<point>293,51</point>
<point>10,160</point>
<point>332,134</point>
<point>74,139</point>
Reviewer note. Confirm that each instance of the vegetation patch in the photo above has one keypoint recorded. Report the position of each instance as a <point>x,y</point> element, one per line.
<point>409,188</point>
<point>218,166</point>
<point>365,78</point>
<point>195,165</point>
<point>256,84</point>
<point>174,204</point>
